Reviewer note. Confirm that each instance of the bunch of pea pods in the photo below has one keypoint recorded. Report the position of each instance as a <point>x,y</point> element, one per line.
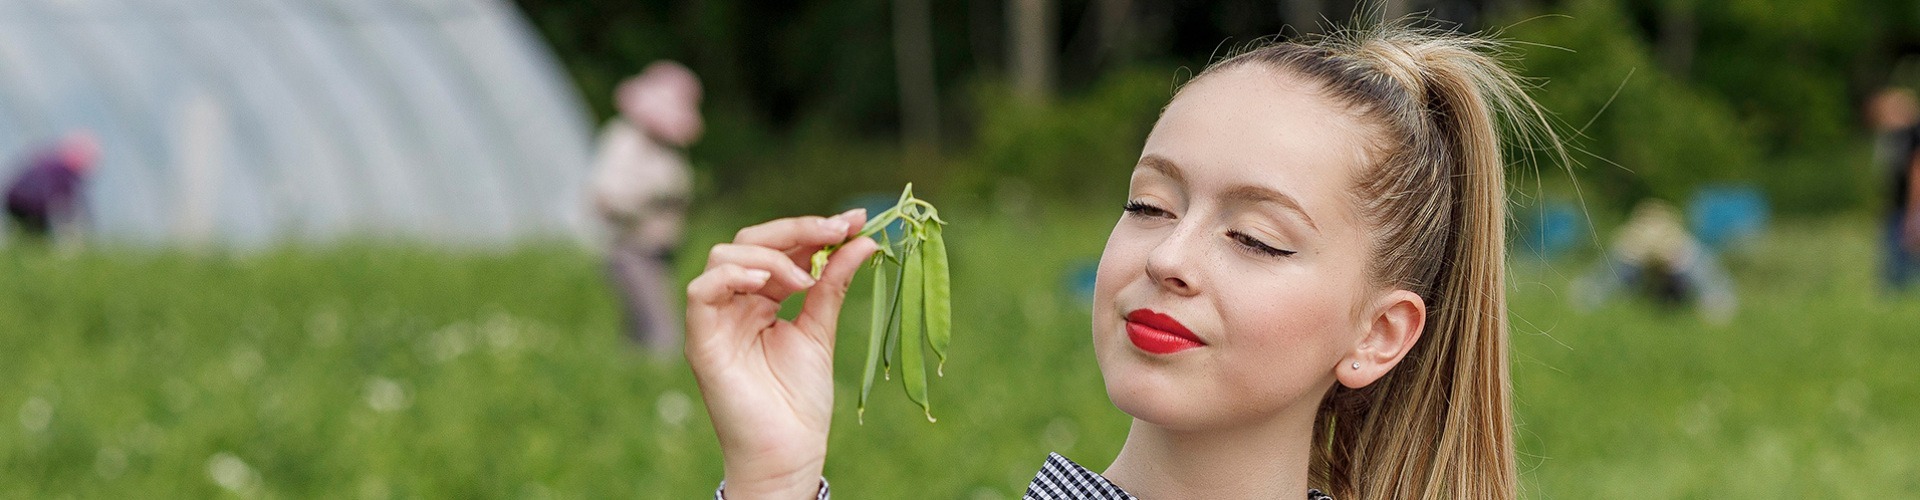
<point>912,311</point>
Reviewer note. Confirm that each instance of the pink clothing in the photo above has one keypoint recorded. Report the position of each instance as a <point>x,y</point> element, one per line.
<point>640,188</point>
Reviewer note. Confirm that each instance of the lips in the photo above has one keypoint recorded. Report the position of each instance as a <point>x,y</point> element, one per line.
<point>1158,333</point>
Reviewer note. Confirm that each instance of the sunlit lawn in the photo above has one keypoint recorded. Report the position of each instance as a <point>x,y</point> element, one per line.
<point>381,372</point>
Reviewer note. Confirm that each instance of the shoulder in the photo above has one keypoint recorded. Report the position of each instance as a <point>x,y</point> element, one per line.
<point>1060,478</point>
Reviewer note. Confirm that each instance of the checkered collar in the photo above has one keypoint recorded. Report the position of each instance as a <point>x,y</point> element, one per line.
<point>1061,479</point>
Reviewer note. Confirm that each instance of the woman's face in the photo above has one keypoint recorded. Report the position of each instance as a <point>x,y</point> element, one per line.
<point>1241,230</point>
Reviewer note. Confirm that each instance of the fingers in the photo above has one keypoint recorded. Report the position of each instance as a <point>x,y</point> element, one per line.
<point>821,312</point>
<point>855,219</point>
<point>785,273</point>
<point>802,235</point>
<point>714,290</point>
<point>773,260</point>
<point>722,282</point>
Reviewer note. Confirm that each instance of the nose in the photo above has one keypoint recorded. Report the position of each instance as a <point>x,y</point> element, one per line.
<point>1171,263</point>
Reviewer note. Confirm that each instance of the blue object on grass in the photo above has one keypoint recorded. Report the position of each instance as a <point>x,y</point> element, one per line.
<point>1080,278</point>
<point>1550,229</point>
<point>1724,215</point>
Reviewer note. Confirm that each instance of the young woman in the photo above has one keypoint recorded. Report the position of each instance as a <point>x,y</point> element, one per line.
<point>1306,291</point>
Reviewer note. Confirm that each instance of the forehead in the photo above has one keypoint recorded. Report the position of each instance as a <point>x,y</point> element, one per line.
<point>1254,125</point>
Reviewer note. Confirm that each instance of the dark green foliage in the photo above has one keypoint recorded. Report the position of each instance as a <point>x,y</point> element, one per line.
<point>1657,137</point>
<point>1081,147</point>
<point>1767,94</point>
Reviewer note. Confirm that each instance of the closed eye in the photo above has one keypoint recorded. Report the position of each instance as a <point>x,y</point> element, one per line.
<point>1256,245</point>
<point>1141,209</point>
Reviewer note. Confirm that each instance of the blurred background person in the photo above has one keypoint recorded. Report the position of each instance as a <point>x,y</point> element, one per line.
<point>641,186</point>
<point>45,199</point>
<point>1894,114</point>
<point>1654,255</point>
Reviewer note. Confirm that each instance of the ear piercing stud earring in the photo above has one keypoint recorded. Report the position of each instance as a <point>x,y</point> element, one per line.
<point>1356,365</point>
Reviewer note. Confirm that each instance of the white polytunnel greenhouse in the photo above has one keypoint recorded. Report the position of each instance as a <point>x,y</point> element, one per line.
<point>251,123</point>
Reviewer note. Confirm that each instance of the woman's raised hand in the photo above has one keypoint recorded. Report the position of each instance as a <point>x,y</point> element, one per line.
<point>767,381</point>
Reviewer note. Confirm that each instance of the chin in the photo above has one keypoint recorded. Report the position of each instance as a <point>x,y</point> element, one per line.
<point>1158,394</point>
<point>1155,403</point>
<point>1189,396</point>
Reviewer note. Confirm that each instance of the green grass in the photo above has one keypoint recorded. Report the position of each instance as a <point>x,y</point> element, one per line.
<point>1811,391</point>
<point>381,372</point>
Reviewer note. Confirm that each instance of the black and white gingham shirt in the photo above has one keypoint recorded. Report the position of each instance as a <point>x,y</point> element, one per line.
<point>1061,479</point>
<point>1058,479</point>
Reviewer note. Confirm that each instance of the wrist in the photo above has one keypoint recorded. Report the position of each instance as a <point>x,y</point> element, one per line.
<point>799,482</point>
<point>814,488</point>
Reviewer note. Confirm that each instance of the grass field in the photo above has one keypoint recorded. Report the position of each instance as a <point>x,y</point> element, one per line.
<point>382,372</point>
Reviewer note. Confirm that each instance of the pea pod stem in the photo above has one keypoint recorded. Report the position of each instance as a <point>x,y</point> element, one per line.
<point>915,211</point>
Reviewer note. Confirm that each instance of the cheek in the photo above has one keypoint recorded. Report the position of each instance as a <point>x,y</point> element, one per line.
<point>1122,262</point>
<point>1289,337</point>
<point>1289,324</point>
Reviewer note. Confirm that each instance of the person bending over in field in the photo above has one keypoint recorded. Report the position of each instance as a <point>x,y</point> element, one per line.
<point>1306,292</point>
<point>1653,255</point>
<point>46,199</point>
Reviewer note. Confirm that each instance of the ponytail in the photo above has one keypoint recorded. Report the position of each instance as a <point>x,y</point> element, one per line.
<point>1440,424</point>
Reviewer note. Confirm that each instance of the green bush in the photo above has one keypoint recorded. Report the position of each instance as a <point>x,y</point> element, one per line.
<point>1656,137</point>
<point>1765,101</point>
<point>1081,146</point>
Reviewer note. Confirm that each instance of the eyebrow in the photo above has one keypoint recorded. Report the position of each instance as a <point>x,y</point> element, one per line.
<point>1247,192</point>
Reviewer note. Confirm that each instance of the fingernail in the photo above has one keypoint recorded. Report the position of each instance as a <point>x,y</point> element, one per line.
<point>858,213</point>
<point>759,275</point>
<point>801,277</point>
<point>837,225</point>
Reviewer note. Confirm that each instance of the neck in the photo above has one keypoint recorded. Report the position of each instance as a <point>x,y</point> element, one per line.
<point>1265,459</point>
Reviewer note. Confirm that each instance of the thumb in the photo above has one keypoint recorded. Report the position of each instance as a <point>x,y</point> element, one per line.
<point>820,314</point>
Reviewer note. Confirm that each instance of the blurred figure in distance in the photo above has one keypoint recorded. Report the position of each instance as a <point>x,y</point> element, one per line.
<point>1652,253</point>
<point>641,189</point>
<point>1894,114</point>
<point>45,200</point>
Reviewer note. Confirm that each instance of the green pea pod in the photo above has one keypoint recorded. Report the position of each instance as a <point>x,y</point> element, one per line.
<point>939,295</point>
<point>913,324</point>
<point>893,318</point>
<point>881,315</point>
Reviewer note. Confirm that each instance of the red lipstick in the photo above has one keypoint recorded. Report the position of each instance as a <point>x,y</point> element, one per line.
<point>1158,333</point>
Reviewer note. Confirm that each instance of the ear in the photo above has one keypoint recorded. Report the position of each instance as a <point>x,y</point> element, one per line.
<point>1393,325</point>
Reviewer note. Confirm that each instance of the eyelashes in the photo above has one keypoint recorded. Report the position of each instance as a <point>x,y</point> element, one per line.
<point>1134,208</point>
<point>1256,245</point>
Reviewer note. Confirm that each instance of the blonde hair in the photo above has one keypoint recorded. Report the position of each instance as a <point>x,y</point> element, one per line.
<point>1439,425</point>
